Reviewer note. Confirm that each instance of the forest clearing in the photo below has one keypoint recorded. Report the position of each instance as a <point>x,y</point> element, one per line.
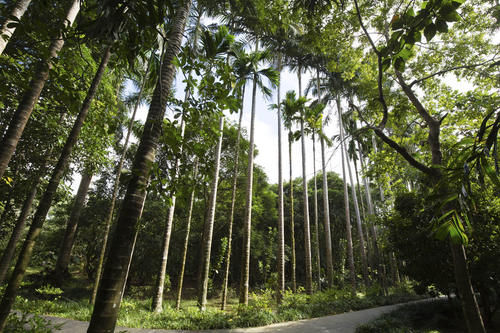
<point>200,164</point>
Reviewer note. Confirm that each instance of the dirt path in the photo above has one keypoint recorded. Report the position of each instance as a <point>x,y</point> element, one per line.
<point>340,323</point>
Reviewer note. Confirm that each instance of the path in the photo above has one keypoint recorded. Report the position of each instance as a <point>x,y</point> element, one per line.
<point>340,323</point>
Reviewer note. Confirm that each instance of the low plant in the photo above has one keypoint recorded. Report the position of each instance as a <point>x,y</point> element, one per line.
<point>29,323</point>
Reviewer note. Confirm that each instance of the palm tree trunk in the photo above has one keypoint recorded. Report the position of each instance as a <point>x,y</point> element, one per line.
<point>326,221</point>
<point>350,254</point>
<point>371,213</point>
<point>157,304</point>
<point>46,201</point>
<point>64,256</point>
<point>281,213</point>
<point>316,228</point>
<point>307,233</point>
<point>107,302</point>
<point>364,219</point>
<point>209,227</point>
<point>326,204</point>
<point>6,32</point>
<point>18,229</point>
<point>116,186</point>
<point>233,203</point>
<point>30,97</point>
<point>292,221</point>
<point>133,249</point>
<point>186,240</point>
<point>247,224</point>
<point>364,262</point>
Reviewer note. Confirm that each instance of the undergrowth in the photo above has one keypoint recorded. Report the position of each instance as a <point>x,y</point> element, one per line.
<point>261,310</point>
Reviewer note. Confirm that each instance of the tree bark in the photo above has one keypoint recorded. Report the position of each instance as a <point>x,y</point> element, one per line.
<point>108,298</point>
<point>326,221</point>
<point>63,259</point>
<point>247,224</point>
<point>46,201</point>
<point>316,228</point>
<point>6,32</point>
<point>362,250</point>
<point>292,221</point>
<point>350,254</point>
<point>18,229</point>
<point>281,213</point>
<point>233,203</point>
<point>30,97</point>
<point>116,186</point>
<point>307,233</point>
<point>209,227</point>
<point>186,240</point>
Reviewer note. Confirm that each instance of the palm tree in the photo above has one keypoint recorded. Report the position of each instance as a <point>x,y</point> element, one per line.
<point>64,255</point>
<point>30,97</point>
<point>48,196</point>
<point>114,196</point>
<point>186,239</point>
<point>209,225</point>
<point>350,254</point>
<point>258,75</point>
<point>9,26</point>
<point>106,307</point>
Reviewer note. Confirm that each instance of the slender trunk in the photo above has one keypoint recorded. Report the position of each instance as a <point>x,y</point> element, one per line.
<point>247,224</point>
<point>233,203</point>
<point>6,32</point>
<point>116,186</point>
<point>316,228</point>
<point>366,228</point>
<point>326,204</point>
<point>186,239</point>
<point>364,262</point>
<point>18,229</point>
<point>292,221</point>
<point>157,304</point>
<point>63,259</point>
<point>133,249</point>
<point>371,213</point>
<point>281,213</point>
<point>30,97</point>
<point>307,233</point>
<point>107,302</point>
<point>350,254</point>
<point>326,216</point>
<point>209,227</point>
<point>46,201</point>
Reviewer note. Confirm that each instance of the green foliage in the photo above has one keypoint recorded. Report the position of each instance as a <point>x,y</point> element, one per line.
<point>30,324</point>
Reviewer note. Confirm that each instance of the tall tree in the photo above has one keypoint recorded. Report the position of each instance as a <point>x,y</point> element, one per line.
<point>186,239</point>
<point>350,252</point>
<point>31,95</point>
<point>258,75</point>
<point>209,225</point>
<point>109,294</point>
<point>48,196</point>
<point>10,24</point>
<point>64,256</point>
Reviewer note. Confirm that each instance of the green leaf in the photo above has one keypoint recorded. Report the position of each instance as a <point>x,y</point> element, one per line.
<point>452,16</point>
<point>441,26</point>
<point>430,31</point>
<point>399,64</point>
<point>385,64</point>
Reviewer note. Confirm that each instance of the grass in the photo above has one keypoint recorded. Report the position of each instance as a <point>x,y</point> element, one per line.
<point>262,308</point>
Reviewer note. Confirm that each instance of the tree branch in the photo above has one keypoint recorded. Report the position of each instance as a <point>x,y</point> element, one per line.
<point>444,71</point>
<point>380,71</point>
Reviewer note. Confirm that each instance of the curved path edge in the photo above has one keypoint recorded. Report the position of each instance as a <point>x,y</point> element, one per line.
<point>339,323</point>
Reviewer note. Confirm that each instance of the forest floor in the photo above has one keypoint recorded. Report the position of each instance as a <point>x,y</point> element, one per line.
<point>344,323</point>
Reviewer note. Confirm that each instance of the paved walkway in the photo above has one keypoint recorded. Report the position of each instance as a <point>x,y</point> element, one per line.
<point>341,323</point>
